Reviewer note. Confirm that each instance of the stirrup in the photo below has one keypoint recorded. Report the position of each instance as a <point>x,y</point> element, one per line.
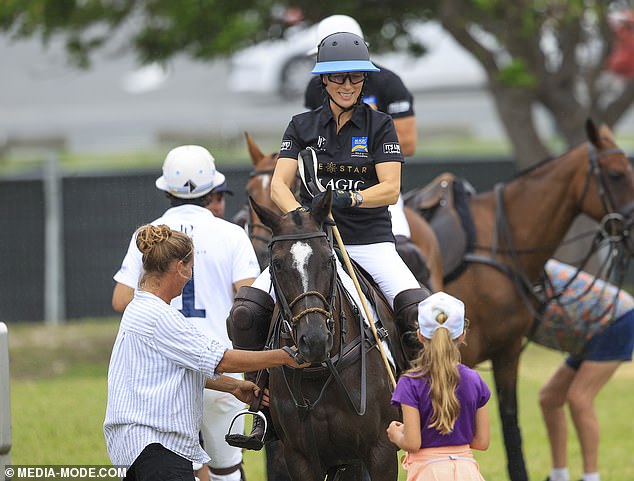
<point>251,442</point>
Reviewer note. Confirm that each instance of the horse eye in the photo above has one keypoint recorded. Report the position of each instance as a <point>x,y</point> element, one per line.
<point>615,175</point>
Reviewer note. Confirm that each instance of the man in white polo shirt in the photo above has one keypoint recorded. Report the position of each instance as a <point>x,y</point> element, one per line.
<point>224,261</point>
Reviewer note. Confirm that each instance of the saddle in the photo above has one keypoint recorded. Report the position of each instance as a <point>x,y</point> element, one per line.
<point>385,322</point>
<point>444,203</point>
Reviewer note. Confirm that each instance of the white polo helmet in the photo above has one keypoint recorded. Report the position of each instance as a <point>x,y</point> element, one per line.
<point>334,24</point>
<point>189,171</point>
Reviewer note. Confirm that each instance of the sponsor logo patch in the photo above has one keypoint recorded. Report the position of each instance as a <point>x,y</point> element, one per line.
<point>359,145</point>
<point>398,107</point>
<point>371,101</point>
<point>286,145</point>
<point>392,148</point>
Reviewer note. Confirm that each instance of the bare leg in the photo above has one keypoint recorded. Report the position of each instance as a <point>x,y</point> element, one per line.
<point>203,473</point>
<point>552,399</point>
<point>590,379</point>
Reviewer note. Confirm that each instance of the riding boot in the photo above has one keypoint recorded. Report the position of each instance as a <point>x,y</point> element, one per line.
<point>406,315</point>
<point>248,327</point>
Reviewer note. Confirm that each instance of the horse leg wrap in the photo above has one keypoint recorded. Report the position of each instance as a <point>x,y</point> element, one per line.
<point>250,318</point>
<point>413,258</point>
<point>406,315</point>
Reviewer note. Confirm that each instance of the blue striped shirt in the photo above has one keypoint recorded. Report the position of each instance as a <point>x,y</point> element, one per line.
<point>156,378</point>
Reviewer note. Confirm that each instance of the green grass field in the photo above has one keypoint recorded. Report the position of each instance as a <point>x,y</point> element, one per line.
<point>58,400</point>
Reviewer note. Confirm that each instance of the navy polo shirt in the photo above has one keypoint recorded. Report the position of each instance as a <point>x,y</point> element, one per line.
<point>383,90</point>
<point>346,161</point>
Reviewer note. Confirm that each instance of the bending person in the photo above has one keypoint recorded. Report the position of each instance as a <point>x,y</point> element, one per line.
<point>597,320</point>
<point>160,363</point>
<point>225,261</point>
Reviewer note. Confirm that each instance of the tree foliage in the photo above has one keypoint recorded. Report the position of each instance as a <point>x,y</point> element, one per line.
<point>535,52</point>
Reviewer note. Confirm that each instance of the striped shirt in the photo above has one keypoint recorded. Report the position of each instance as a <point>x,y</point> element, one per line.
<point>156,378</point>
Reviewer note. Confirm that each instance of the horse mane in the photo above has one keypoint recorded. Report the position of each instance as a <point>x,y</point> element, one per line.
<point>531,168</point>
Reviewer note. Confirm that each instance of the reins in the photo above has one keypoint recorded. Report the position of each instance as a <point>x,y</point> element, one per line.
<point>335,363</point>
<point>604,235</point>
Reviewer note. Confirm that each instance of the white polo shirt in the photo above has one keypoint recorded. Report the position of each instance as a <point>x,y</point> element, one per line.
<point>223,255</point>
<point>156,380</point>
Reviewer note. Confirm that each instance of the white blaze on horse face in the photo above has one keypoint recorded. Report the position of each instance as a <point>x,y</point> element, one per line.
<point>301,252</point>
<point>265,180</point>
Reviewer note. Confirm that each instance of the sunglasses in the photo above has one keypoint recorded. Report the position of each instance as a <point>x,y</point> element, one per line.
<point>340,78</point>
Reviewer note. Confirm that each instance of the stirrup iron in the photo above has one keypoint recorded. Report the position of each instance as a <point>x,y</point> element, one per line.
<point>240,440</point>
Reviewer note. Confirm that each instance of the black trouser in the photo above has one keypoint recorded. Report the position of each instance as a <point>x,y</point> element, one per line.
<point>157,463</point>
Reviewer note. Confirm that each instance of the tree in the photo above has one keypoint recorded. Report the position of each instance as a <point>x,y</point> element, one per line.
<point>550,53</point>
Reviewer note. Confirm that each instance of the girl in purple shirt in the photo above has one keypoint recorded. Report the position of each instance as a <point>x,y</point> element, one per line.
<point>444,403</point>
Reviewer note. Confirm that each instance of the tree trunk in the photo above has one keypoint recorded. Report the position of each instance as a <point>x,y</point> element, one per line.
<point>514,106</point>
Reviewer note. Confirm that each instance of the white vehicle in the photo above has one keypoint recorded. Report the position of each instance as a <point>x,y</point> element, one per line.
<point>281,65</point>
<point>275,66</point>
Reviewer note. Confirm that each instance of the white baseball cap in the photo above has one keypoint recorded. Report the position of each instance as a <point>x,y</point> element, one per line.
<point>335,24</point>
<point>189,171</point>
<point>431,307</point>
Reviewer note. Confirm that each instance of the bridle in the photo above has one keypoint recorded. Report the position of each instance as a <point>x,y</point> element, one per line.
<point>607,233</point>
<point>290,320</point>
<point>613,217</point>
<point>336,362</point>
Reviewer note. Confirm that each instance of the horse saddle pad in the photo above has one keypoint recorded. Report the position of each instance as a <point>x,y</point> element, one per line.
<point>444,203</point>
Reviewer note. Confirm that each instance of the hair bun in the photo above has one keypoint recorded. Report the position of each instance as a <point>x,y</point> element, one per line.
<point>149,236</point>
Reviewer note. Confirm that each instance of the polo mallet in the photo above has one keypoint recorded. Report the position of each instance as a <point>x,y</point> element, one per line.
<point>307,166</point>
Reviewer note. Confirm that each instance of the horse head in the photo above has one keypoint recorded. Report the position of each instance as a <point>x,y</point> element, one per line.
<point>606,192</point>
<point>303,274</point>
<point>259,189</point>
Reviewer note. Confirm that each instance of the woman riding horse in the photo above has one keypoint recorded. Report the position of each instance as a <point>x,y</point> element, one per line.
<point>336,413</point>
<point>357,154</point>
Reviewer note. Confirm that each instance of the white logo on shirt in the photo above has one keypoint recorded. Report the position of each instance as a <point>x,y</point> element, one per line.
<point>392,148</point>
<point>286,145</point>
<point>398,107</point>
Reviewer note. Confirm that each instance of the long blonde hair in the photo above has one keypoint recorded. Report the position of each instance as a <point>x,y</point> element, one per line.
<point>438,362</point>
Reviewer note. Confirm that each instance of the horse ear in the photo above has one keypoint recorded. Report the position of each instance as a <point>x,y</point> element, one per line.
<point>320,208</point>
<point>267,216</point>
<point>592,132</point>
<point>254,151</point>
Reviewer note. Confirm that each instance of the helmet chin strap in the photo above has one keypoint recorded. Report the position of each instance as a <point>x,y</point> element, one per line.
<point>345,109</point>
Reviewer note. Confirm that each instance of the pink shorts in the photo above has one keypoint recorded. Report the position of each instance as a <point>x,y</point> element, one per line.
<point>452,463</point>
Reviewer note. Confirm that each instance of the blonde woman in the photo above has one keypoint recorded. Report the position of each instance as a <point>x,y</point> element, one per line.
<point>444,403</point>
<point>160,364</point>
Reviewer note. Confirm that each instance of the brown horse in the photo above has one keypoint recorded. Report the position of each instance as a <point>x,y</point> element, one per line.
<point>258,188</point>
<point>332,416</point>
<point>518,228</point>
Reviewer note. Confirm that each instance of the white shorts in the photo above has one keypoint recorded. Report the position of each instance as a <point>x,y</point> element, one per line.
<point>385,266</point>
<point>218,412</point>
<point>380,260</point>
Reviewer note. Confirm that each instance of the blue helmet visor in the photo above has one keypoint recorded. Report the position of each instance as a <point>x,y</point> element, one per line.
<point>344,66</point>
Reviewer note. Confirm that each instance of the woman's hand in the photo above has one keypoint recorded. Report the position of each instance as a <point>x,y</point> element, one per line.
<point>295,358</point>
<point>246,391</point>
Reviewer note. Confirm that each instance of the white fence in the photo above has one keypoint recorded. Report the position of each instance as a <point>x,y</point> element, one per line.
<point>5,401</point>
